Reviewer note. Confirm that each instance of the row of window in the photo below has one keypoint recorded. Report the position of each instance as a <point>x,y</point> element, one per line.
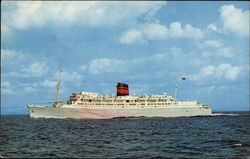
<point>127,101</point>
<point>127,104</point>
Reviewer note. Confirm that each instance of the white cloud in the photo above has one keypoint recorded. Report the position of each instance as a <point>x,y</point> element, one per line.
<point>83,68</point>
<point>33,70</point>
<point>6,88</point>
<point>207,54</point>
<point>101,65</point>
<point>29,89</point>
<point>206,71</point>
<point>213,43</point>
<point>228,71</point>
<point>132,36</point>
<point>214,28</point>
<point>92,13</point>
<point>71,76</point>
<point>11,56</point>
<point>176,31</point>
<point>7,91</point>
<point>218,49</point>
<point>175,51</point>
<point>5,84</point>
<point>47,83</point>
<point>225,52</point>
<point>235,20</point>
<point>220,72</point>
<point>36,69</point>
<point>23,65</point>
<point>5,31</point>
<point>14,74</point>
<point>155,31</point>
<point>26,87</point>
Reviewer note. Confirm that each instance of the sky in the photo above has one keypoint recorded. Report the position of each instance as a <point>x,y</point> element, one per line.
<point>144,44</point>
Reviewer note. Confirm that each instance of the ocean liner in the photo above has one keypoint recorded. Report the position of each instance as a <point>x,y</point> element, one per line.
<point>88,105</point>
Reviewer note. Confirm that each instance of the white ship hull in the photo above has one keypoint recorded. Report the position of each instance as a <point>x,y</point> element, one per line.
<point>102,112</point>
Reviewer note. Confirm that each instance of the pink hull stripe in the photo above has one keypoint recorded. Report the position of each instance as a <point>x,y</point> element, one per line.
<point>74,112</point>
<point>89,111</point>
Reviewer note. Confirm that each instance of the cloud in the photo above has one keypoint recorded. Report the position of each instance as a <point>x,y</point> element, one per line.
<point>48,83</point>
<point>85,13</point>
<point>175,51</point>
<point>132,36</point>
<point>36,69</point>
<point>5,84</point>
<point>25,88</point>
<point>176,31</point>
<point>71,76</point>
<point>83,68</point>
<point>222,71</point>
<point>19,64</point>
<point>235,20</point>
<point>7,91</point>
<point>6,88</point>
<point>101,65</point>
<point>14,74</point>
<point>213,27</point>
<point>212,43</point>
<point>155,31</point>
<point>29,89</point>
<point>228,71</point>
<point>225,52</point>
<point>12,57</point>
<point>215,48</point>
<point>5,31</point>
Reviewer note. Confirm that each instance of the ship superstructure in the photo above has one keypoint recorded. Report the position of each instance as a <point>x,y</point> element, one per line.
<point>84,99</point>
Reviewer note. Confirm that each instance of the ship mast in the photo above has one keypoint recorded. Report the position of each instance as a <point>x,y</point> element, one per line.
<point>58,87</point>
<point>176,85</point>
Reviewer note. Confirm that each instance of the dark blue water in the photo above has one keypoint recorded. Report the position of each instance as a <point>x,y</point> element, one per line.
<point>193,137</point>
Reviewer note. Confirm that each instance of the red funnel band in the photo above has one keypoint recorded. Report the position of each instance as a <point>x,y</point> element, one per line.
<point>122,91</point>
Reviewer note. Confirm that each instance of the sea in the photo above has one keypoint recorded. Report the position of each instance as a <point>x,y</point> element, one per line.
<point>226,135</point>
